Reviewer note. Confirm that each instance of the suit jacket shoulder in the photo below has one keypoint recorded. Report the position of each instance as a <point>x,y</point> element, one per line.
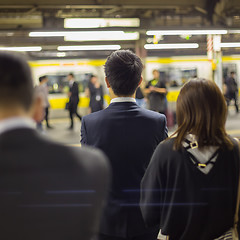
<point>128,115</point>
<point>58,190</point>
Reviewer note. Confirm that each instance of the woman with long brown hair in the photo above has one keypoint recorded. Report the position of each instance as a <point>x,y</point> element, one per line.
<point>190,186</point>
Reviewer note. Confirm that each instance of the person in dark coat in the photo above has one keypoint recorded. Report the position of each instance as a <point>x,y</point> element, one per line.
<point>128,135</point>
<point>190,187</point>
<point>48,191</point>
<point>73,95</point>
<point>95,93</point>
<point>232,90</point>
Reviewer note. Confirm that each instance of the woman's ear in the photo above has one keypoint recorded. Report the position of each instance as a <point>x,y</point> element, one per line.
<point>37,111</point>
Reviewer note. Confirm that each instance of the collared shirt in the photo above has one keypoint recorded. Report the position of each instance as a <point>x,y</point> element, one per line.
<point>71,82</point>
<point>16,122</point>
<point>42,91</point>
<point>123,99</point>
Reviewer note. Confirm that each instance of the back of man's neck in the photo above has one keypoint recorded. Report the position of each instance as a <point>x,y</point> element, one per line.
<point>5,114</point>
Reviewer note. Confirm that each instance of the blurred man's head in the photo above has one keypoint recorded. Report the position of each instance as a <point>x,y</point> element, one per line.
<point>232,73</point>
<point>16,88</point>
<point>156,74</point>
<point>43,79</point>
<point>70,76</point>
<point>93,79</point>
<point>16,85</point>
<point>123,71</point>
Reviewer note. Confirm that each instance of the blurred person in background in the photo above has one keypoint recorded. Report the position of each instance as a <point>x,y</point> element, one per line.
<point>156,92</point>
<point>190,187</point>
<point>95,92</point>
<point>73,95</point>
<point>140,99</point>
<point>48,191</point>
<point>232,90</point>
<point>128,135</point>
<point>42,91</point>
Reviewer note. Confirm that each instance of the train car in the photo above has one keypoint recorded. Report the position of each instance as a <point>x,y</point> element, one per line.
<point>175,71</point>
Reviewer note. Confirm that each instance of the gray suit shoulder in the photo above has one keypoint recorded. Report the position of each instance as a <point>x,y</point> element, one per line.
<point>93,160</point>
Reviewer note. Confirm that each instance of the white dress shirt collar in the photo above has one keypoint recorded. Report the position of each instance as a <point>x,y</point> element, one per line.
<point>123,99</point>
<point>16,122</point>
<point>71,82</point>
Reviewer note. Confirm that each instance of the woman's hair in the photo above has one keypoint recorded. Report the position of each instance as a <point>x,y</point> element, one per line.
<point>202,111</point>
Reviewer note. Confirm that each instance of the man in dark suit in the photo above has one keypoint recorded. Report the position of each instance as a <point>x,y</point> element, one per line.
<point>128,134</point>
<point>47,191</point>
<point>73,99</point>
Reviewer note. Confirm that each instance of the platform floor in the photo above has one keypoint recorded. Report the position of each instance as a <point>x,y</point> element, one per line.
<point>60,132</point>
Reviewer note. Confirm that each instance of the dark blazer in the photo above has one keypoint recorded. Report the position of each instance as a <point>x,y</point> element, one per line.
<point>128,135</point>
<point>74,98</point>
<point>48,191</point>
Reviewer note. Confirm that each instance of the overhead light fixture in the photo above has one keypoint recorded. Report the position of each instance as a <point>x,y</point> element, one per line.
<point>186,32</point>
<point>234,31</point>
<point>102,36</point>
<point>61,54</point>
<point>230,44</point>
<point>47,34</point>
<point>21,49</point>
<point>89,35</point>
<point>89,47</point>
<point>100,22</point>
<point>171,46</point>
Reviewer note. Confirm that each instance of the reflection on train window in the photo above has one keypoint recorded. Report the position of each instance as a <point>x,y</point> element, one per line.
<point>58,83</point>
<point>175,77</point>
<point>227,68</point>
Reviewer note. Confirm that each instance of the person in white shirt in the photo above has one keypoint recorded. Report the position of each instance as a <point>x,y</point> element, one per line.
<point>42,91</point>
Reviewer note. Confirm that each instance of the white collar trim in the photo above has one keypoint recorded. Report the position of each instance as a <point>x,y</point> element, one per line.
<point>123,99</point>
<point>16,122</point>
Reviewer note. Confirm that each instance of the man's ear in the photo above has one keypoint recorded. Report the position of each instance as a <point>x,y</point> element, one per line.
<point>140,81</point>
<point>106,80</point>
<point>37,111</point>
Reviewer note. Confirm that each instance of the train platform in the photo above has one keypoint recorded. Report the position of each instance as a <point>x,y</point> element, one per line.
<point>62,134</point>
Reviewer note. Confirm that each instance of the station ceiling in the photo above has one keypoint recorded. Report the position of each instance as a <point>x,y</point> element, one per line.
<point>18,18</point>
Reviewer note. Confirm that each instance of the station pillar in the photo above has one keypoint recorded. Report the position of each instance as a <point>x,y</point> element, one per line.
<point>142,53</point>
<point>217,61</point>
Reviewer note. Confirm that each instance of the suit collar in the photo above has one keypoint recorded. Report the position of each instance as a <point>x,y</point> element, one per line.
<point>15,123</point>
<point>123,99</point>
<point>123,105</point>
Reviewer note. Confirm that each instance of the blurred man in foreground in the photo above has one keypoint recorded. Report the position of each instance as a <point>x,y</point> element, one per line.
<point>128,134</point>
<point>48,191</point>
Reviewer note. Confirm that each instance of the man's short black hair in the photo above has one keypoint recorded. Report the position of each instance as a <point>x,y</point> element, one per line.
<point>232,72</point>
<point>16,85</point>
<point>42,78</point>
<point>71,74</point>
<point>123,70</point>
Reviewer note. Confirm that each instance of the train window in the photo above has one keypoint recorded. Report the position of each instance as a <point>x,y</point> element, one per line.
<point>175,77</point>
<point>227,68</point>
<point>58,83</point>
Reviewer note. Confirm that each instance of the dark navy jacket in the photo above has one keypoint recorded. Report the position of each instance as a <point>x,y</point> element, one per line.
<point>128,135</point>
<point>74,98</point>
